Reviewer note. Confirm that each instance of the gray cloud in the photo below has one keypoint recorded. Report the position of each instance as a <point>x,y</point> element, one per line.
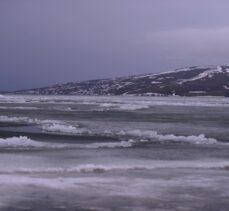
<point>54,41</point>
<point>199,45</point>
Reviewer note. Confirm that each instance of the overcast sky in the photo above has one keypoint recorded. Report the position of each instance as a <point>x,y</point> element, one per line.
<point>44,42</point>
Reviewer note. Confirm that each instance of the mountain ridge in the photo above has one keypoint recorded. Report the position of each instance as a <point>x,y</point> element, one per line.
<point>189,81</point>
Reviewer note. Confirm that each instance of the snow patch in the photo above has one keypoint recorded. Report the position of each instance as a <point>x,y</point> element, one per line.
<point>206,74</point>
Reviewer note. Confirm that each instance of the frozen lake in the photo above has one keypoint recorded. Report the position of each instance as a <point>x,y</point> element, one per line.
<point>114,153</point>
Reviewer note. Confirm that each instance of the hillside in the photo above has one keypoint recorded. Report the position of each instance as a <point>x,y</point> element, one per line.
<point>209,80</point>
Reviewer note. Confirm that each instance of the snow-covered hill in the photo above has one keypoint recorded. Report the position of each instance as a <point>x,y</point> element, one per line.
<point>209,80</point>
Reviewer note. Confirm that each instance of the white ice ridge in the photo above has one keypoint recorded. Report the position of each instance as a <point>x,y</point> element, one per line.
<point>14,119</point>
<point>19,108</point>
<point>145,137</point>
<point>55,126</point>
<point>62,128</point>
<point>26,120</point>
<point>97,168</point>
<point>19,142</point>
<point>153,136</point>
<point>226,87</point>
<point>123,106</point>
<point>48,125</point>
<point>23,142</point>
